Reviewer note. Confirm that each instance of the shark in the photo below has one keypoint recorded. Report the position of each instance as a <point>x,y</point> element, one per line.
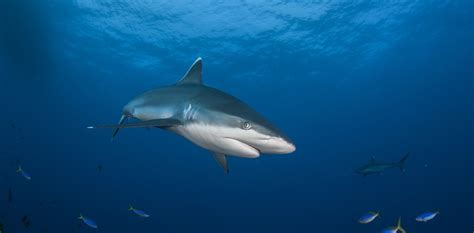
<point>374,167</point>
<point>208,117</point>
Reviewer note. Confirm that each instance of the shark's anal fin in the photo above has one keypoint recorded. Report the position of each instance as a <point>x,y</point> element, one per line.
<point>222,160</point>
<point>193,76</point>
<point>121,121</point>
<point>143,124</point>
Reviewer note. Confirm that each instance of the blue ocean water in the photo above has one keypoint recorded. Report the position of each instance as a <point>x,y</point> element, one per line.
<point>346,80</point>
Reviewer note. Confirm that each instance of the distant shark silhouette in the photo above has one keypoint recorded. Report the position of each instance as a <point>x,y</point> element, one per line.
<point>207,117</point>
<point>374,167</point>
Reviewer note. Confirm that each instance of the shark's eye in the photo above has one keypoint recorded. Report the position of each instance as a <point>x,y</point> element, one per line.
<point>246,125</point>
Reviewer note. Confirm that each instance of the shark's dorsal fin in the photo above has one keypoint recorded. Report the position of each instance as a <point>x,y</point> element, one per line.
<point>193,76</point>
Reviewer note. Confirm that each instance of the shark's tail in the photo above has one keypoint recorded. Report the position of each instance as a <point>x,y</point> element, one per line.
<point>401,163</point>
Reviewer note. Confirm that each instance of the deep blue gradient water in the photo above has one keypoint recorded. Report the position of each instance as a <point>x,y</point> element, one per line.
<point>346,80</point>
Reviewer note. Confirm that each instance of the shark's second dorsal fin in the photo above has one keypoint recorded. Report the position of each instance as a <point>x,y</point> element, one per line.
<point>193,76</point>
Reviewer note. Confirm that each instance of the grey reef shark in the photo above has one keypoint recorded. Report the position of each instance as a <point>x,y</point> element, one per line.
<point>210,118</point>
<point>374,167</point>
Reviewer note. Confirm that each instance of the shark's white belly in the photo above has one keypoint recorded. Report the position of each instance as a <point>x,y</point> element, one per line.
<point>214,138</point>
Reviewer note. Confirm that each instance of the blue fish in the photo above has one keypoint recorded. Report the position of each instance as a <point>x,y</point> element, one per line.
<point>396,229</point>
<point>425,217</point>
<point>89,222</point>
<point>23,173</point>
<point>368,217</point>
<point>140,213</point>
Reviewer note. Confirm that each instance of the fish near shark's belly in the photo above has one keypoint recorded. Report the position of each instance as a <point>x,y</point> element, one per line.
<point>209,137</point>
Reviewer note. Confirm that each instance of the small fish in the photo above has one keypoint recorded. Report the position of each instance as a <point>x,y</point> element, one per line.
<point>140,213</point>
<point>396,229</point>
<point>23,173</point>
<point>99,167</point>
<point>425,217</point>
<point>368,217</point>
<point>89,222</point>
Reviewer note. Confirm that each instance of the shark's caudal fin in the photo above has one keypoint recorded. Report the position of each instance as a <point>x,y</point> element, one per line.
<point>121,121</point>
<point>401,163</point>
<point>222,160</point>
<point>193,76</point>
<point>143,124</point>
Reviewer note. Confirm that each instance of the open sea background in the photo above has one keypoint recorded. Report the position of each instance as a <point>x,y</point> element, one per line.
<point>346,80</point>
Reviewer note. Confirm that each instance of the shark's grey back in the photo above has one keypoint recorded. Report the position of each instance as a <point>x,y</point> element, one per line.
<point>203,98</point>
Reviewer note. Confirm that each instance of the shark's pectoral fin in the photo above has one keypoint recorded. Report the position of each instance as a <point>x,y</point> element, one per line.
<point>142,124</point>
<point>121,121</point>
<point>222,160</point>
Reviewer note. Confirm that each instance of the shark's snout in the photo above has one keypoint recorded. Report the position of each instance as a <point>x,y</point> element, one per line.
<point>281,146</point>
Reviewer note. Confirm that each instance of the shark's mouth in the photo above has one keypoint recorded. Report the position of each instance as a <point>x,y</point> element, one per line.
<point>249,145</point>
<point>239,148</point>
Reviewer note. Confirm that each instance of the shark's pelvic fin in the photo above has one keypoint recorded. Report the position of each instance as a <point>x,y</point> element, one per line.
<point>143,124</point>
<point>193,76</point>
<point>222,160</point>
<point>121,121</point>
